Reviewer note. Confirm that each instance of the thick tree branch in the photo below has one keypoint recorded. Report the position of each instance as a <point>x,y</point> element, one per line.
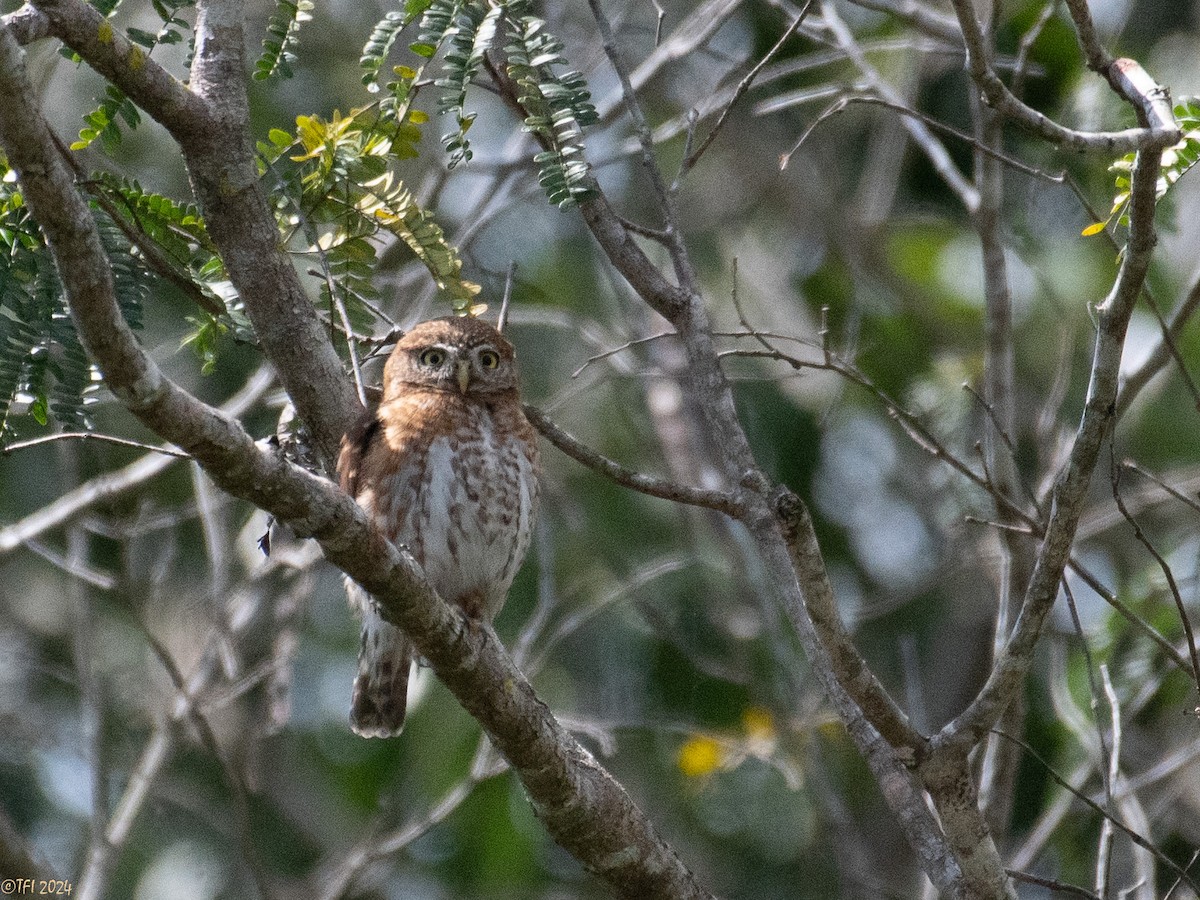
<point>211,125</point>
<point>1158,128</point>
<point>952,789</point>
<point>852,670</point>
<point>125,64</point>
<point>581,805</point>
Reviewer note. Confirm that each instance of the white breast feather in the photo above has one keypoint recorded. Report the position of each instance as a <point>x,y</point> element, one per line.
<point>487,555</point>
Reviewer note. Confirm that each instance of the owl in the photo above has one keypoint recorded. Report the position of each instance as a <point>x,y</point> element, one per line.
<point>448,467</point>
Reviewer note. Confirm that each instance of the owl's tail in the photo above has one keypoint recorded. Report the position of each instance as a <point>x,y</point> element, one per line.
<point>381,687</point>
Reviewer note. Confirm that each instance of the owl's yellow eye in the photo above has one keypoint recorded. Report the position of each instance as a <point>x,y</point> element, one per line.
<point>433,356</point>
<point>489,359</point>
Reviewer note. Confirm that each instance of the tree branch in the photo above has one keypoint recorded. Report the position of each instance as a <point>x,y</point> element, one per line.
<point>721,501</point>
<point>211,125</point>
<point>26,24</point>
<point>580,804</point>
<point>851,669</point>
<point>1158,129</point>
<point>684,308</point>
<point>83,29</point>
<point>112,484</point>
<point>1069,495</point>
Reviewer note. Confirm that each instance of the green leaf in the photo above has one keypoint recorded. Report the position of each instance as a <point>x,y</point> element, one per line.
<point>282,34</point>
<point>40,409</point>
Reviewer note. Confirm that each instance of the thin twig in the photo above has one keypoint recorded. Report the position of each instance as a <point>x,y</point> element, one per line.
<point>874,100</point>
<point>1178,495</point>
<point>1167,573</point>
<point>1028,39</point>
<point>113,484</point>
<point>690,159</point>
<point>91,436</point>
<point>1093,683</point>
<point>1051,884</point>
<point>378,844</point>
<point>1006,438</point>
<point>659,15</point>
<point>679,256</point>
<point>613,351</point>
<point>1099,810</point>
<point>721,501</point>
<point>1167,349</point>
<point>1179,881</point>
<point>1105,843</point>
<point>502,320</point>
<point>925,141</point>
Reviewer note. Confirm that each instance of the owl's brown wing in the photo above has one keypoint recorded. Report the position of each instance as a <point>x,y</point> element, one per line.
<point>355,446</point>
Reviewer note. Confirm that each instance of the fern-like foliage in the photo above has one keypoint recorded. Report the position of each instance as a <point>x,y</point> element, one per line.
<point>336,191</point>
<point>558,106</point>
<point>379,45</point>
<point>348,196</point>
<point>177,230</point>
<point>104,122</point>
<point>42,362</point>
<point>282,33</point>
<point>173,27</point>
<point>470,36</point>
<point>1177,161</point>
<point>457,35</point>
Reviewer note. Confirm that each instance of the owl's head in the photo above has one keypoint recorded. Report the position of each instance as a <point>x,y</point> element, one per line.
<point>457,354</point>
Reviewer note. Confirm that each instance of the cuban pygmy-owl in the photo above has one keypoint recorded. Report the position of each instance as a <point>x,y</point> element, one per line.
<point>448,467</point>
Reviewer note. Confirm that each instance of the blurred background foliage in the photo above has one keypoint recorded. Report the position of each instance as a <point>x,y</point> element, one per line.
<point>645,625</point>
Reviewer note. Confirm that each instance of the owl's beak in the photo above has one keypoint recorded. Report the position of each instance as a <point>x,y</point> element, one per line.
<point>464,374</point>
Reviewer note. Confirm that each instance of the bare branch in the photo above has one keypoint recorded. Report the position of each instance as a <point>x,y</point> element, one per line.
<point>26,24</point>
<point>1070,490</point>
<point>919,15</point>
<point>846,662</point>
<point>1096,808</point>
<point>690,34</point>
<point>675,245</point>
<point>82,28</point>
<point>721,501</point>
<point>690,159</point>
<point>933,149</point>
<point>1180,607</point>
<point>84,436</point>
<point>1051,885</point>
<point>112,484</point>
<point>1104,852</point>
<point>1126,76</point>
<point>1098,59</point>
<point>580,804</point>
<point>1164,351</point>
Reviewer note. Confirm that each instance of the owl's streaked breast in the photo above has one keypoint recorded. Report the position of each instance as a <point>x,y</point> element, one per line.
<point>462,496</point>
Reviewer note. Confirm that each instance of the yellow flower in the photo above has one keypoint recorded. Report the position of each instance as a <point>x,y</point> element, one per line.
<point>700,756</point>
